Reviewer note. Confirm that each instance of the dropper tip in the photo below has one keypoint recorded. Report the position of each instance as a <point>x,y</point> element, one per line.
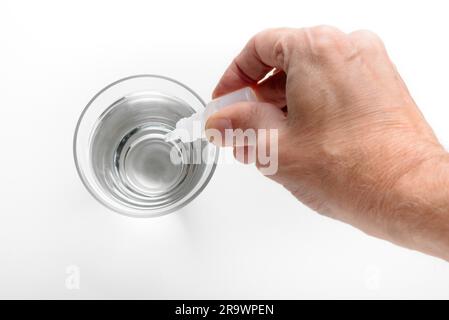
<point>171,136</point>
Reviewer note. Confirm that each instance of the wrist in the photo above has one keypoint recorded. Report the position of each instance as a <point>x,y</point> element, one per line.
<point>420,208</point>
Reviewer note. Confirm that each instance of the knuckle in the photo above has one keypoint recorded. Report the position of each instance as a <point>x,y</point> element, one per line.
<point>324,30</point>
<point>281,48</point>
<point>261,36</point>
<point>367,40</point>
<point>284,41</point>
<point>326,39</point>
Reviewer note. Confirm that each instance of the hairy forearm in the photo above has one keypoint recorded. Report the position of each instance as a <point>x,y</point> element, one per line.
<point>420,208</point>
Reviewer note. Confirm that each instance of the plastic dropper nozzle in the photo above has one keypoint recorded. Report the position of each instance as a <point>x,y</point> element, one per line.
<point>192,128</point>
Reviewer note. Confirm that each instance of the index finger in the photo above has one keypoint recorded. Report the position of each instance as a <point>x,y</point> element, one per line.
<point>266,50</point>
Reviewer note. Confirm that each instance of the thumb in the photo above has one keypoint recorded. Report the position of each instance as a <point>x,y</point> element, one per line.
<point>245,116</point>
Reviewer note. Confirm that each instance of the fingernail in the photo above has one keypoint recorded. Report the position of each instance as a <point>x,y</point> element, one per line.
<point>216,126</point>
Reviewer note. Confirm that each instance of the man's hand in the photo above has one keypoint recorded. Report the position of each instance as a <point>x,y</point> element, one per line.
<point>352,143</point>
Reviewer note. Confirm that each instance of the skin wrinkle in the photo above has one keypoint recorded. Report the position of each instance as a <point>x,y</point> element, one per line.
<point>242,74</point>
<point>390,179</point>
<point>353,145</point>
<point>417,223</point>
<point>280,49</point>
<point>257,56</point>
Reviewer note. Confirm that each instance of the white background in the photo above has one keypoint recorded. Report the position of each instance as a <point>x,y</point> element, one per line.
<point>244,236</point>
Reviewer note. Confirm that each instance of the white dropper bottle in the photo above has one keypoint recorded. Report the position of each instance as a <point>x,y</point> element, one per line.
<point>185,127</point>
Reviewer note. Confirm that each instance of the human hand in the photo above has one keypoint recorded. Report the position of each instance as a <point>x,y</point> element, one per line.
<point>352,143</point>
